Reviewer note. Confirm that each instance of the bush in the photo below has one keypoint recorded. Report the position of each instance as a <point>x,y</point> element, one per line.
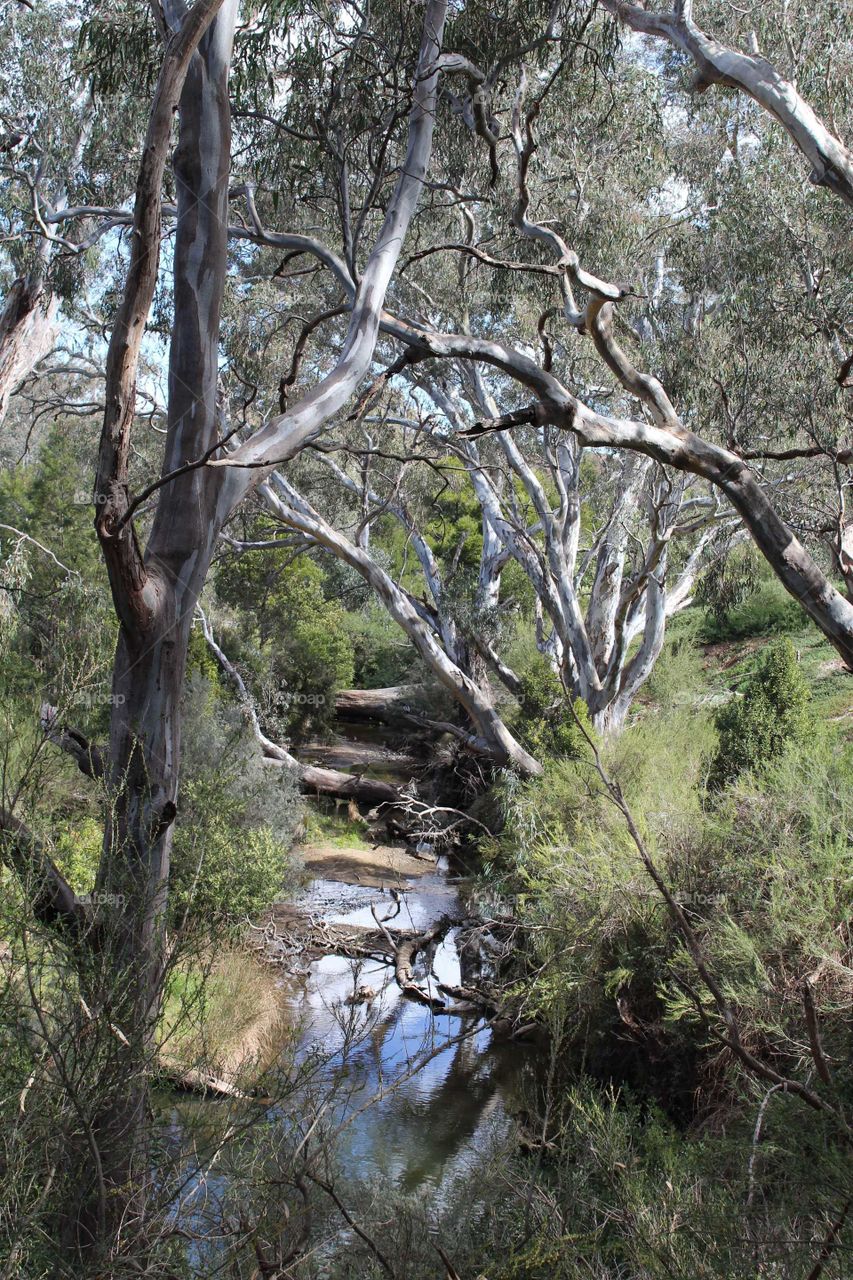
<point>77,852</point>
<point>547,726</point>
<point>292,634</point>
<point>764,873</point>
<point>772,713</point>
<point>236,818</point>
<point>223,871</point>
<point>766,611</point>
<point>382,655</point>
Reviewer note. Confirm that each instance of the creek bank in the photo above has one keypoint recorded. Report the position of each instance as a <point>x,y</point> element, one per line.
<point>380,866</point>
<point>224,1023</point>
<point>384,970</point>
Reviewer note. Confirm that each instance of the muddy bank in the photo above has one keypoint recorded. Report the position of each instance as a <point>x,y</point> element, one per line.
<point>377,866</point>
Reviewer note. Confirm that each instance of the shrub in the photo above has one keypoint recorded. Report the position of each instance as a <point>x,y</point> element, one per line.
<point>77,851</point>
<point>294,636</point>
<point>547,726</point>
<point>223,871</point>
<point>772,713</point>
<point>236,818</point>
<point>382,656</point>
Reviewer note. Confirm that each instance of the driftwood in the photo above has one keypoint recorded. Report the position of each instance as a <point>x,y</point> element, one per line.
<point>348,755</point>
<point>201,1082</point>
<point>405,949</point>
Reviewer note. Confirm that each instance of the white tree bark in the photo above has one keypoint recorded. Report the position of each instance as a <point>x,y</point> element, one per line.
<point>286,434</point>
<point>831,161</point>
<point>28,333</point>
<point>491,737</point>
<point>672,445</point>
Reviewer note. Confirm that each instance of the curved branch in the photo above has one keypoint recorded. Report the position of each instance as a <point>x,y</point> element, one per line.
<point>754,75</point>
<point>681,449</point>
<point>287,433</point>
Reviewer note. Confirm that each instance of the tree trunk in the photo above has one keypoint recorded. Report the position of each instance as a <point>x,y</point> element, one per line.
<point>27,333</point>
<point>156,595</point>
<point>385,705</point>
<point>156,604</point>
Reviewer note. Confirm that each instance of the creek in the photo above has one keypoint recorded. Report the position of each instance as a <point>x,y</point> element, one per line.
<point>433,1117</point>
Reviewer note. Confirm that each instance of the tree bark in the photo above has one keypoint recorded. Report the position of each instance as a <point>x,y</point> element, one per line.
<point>673,445</point>
<point>384,705</point>
<point>831,161</point>
<point>28,333</point>
<point>155,595</point>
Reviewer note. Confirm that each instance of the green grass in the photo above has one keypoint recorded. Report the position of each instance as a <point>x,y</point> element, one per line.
<point>705,662</point>
<point>336,829</point>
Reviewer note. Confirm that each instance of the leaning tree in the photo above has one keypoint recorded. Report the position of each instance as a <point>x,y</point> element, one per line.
<point>156,585</point>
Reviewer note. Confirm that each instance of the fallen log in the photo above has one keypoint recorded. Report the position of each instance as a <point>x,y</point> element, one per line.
<point>484,1002</point>
<point>405,951</point>
<point>348,755</point>
<point>387,705</point>
<point>312,779</point>
<point>201,1082</point>
<point>315,780</point>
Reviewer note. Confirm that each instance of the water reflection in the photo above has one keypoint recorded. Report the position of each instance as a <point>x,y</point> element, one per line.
<point>429,1119</point>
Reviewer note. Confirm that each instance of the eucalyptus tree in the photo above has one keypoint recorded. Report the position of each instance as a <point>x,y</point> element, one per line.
<point>549,155</point>
<point>604,578</point>
<point>696,311</point>
<point>809,38</point>
<point>593,540</point>
<point>156,588</point>
<point>57,143</point>
<point>634,411</point>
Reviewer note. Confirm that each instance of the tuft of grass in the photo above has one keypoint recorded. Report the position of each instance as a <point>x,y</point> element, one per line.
<point>336,829</point>
<point>222,1014</point>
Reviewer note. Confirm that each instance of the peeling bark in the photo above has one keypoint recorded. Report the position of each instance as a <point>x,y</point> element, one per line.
<point>28,332</point>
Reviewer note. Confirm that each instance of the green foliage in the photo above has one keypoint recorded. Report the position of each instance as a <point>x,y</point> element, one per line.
<point>77,852</point>
<point>630,1194</point>
<point>727,583</point>
<point>678,676</point>
<point>381,654</point>
<point>201,664</point>
<point>335,828</point>
<point>547,726</point>
<point>296,638</point>
<point>222,869</point>
<point>117,47</point>
<point>236,820</point>
<point>455,530</point>
<point>772,713</point>
<point>765,610</point>
<point>764,874</point>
